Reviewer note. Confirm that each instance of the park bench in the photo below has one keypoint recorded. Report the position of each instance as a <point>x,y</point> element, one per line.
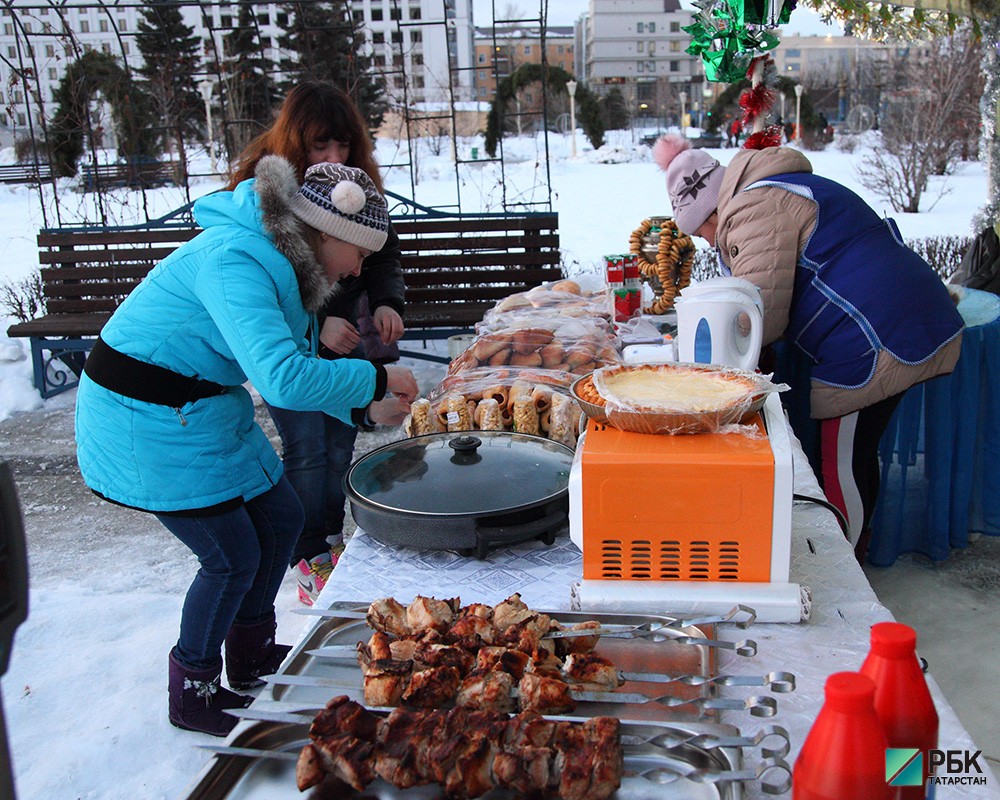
<point>456,268</point>
<point>136,174</point>
<point>25,173</point>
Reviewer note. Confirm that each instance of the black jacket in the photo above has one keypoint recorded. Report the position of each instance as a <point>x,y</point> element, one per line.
<point>980,268</point>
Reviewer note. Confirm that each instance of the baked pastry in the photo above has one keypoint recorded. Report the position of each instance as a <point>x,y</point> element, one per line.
<point>672,399</point>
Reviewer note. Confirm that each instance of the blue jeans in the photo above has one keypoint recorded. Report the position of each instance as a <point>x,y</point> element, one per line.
<point>243,554</point>
<point>317,450</point>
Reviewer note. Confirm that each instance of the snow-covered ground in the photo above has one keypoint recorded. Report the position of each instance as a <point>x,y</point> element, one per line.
<point>85,696</point>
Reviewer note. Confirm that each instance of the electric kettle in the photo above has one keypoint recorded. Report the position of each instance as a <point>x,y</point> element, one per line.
<point>720,321</point>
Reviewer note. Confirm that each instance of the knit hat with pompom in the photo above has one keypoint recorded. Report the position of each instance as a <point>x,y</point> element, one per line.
<point>693,181</point>
<point>343,202</point>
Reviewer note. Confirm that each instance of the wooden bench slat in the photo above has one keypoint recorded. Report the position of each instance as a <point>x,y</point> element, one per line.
<point>61,325</point>
<point>512,277</point>
<point>416,227</point>
<point>56,306</point>
<point>480,243</point>
<point>150,256</point>
<point>91,272</point>
<point>101,289</point>
<point>101,238</point>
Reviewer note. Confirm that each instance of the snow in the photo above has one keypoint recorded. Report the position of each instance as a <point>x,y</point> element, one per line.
<point>85,696</point>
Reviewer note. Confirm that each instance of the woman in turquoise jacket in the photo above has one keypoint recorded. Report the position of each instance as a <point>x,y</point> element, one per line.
<point>164,424</point>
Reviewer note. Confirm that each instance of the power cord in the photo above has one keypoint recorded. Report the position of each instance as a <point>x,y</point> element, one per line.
<point>841,519</point>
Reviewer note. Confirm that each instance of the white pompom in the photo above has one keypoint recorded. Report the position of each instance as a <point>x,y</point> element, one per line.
<point>348,197</point>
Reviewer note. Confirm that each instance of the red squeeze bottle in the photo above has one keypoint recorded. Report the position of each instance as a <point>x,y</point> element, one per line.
<point>902,700</point>
<point>843,757</point>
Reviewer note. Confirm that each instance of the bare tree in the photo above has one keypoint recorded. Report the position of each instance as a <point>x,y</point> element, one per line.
<point>930,104</point>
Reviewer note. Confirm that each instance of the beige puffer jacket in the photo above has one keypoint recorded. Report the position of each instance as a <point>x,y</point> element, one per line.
<point>761,235</point>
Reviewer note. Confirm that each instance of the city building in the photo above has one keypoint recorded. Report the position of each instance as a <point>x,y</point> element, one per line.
<point>639,46</point>
<point>499,51</point>
<point>424,45</point>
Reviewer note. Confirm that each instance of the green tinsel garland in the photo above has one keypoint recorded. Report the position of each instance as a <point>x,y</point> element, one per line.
<point>729,34</point>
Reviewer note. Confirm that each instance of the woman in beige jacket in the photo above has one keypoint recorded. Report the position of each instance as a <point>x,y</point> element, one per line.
<point>838,283</point>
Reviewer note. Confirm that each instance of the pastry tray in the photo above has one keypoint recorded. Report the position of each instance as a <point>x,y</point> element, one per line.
<point>232,777</point>
<point>668,657</point>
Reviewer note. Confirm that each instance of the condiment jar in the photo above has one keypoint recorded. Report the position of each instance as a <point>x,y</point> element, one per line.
<point>902,700</point>
<point>843,756</point>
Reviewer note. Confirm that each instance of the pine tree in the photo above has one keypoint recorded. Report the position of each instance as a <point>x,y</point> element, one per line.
<point>250,91</point>
<point>326,44</point>
<point>171,59</point>
<point>614,110</point>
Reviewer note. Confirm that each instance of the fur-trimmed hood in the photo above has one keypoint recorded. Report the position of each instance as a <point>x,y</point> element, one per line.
<point>274,185</point>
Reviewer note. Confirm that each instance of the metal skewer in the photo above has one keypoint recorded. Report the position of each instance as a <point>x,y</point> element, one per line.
<point>659,775</point>
<point>757,706</point>
<point>780,682</point>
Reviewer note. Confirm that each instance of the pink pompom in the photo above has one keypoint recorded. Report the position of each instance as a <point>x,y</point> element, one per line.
<point>667,148</point>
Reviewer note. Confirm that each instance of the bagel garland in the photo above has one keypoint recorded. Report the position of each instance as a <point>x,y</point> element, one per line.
<point>674,260</point>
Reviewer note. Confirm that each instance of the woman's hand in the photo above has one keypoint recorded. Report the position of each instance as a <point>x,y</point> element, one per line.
<point>388,323</point>
<point>389,411</point>
<point>339,335</point>
<point>401,383</point>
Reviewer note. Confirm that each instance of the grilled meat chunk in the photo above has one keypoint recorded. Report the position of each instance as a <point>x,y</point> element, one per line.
<point>502,658</point>
<point>544,695</point>
<point>575,644</point>
<point>347,758</point>
<point>343,716</point>
<point>510,612</point>
<point>433,687</point>
<point>487,689</point>
<point>388,616</point>
<point>592,671</point>
<point>429,613</point>
<point>387,683</point>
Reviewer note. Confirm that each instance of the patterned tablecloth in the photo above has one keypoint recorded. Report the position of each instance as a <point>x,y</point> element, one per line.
<point>835,638</point>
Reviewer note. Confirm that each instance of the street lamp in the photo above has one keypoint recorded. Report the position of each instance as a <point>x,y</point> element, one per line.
<point>798,113</point>
<point>206,87</point>
<point>571,88</point>
<point>683,96</point>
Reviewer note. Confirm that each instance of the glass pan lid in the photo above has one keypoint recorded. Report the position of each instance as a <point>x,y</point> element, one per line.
<point>475,472</point>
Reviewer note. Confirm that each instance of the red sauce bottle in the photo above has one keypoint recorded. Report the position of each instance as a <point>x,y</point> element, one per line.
<point>843,756</point>
<point>902,700</point>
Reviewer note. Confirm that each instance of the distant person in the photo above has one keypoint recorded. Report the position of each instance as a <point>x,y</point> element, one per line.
<point>319,122</point>
<point>163,423</point>
<point>838,283</point>
<point>735,129</point>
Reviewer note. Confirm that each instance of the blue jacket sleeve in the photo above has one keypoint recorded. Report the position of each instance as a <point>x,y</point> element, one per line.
<point>249,304</point>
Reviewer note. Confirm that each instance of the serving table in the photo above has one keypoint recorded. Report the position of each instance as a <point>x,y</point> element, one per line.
<point>835,638</point>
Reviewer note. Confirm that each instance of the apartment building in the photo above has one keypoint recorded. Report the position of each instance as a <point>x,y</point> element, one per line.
<point>425,44</point>
<point>498,52</point>
<point>639,46</point>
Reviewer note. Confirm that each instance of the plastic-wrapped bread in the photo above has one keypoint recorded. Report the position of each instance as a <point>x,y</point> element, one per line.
<point>564,420</point>
<point>525,414</point>
<point>420,416</point>
<point>457,414</point>
<point>545,420</point>
<point>497,393</point>
<point>488,415</point>
<point>541,397</point>
<point>519,388</point>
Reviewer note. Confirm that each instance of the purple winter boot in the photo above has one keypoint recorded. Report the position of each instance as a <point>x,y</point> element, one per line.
<point>198,703</point>
<point>251,652</point>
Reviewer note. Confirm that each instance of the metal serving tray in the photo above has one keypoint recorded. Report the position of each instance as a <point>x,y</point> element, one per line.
<point>667,657</point>
<point>229,777</point>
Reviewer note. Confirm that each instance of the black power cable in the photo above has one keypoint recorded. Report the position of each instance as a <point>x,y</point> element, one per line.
<point>841,519</point>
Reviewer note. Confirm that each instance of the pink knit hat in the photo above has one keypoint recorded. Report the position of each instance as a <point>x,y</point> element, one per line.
<point>693,181</point>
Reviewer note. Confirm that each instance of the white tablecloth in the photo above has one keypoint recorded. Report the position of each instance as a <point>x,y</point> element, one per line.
<point>834,639</point>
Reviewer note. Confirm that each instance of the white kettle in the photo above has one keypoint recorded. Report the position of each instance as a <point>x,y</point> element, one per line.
<point>709,325</point>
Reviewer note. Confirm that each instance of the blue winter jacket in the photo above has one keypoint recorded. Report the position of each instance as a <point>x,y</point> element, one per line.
<point>232,305</point>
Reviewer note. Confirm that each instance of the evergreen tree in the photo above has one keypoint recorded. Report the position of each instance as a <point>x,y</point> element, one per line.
<point>171,59</point>
<point>614,110</point>
<point>325,44</point>
<point>249,89</point>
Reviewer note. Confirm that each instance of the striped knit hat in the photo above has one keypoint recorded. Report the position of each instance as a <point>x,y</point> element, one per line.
<point>343,202</point>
